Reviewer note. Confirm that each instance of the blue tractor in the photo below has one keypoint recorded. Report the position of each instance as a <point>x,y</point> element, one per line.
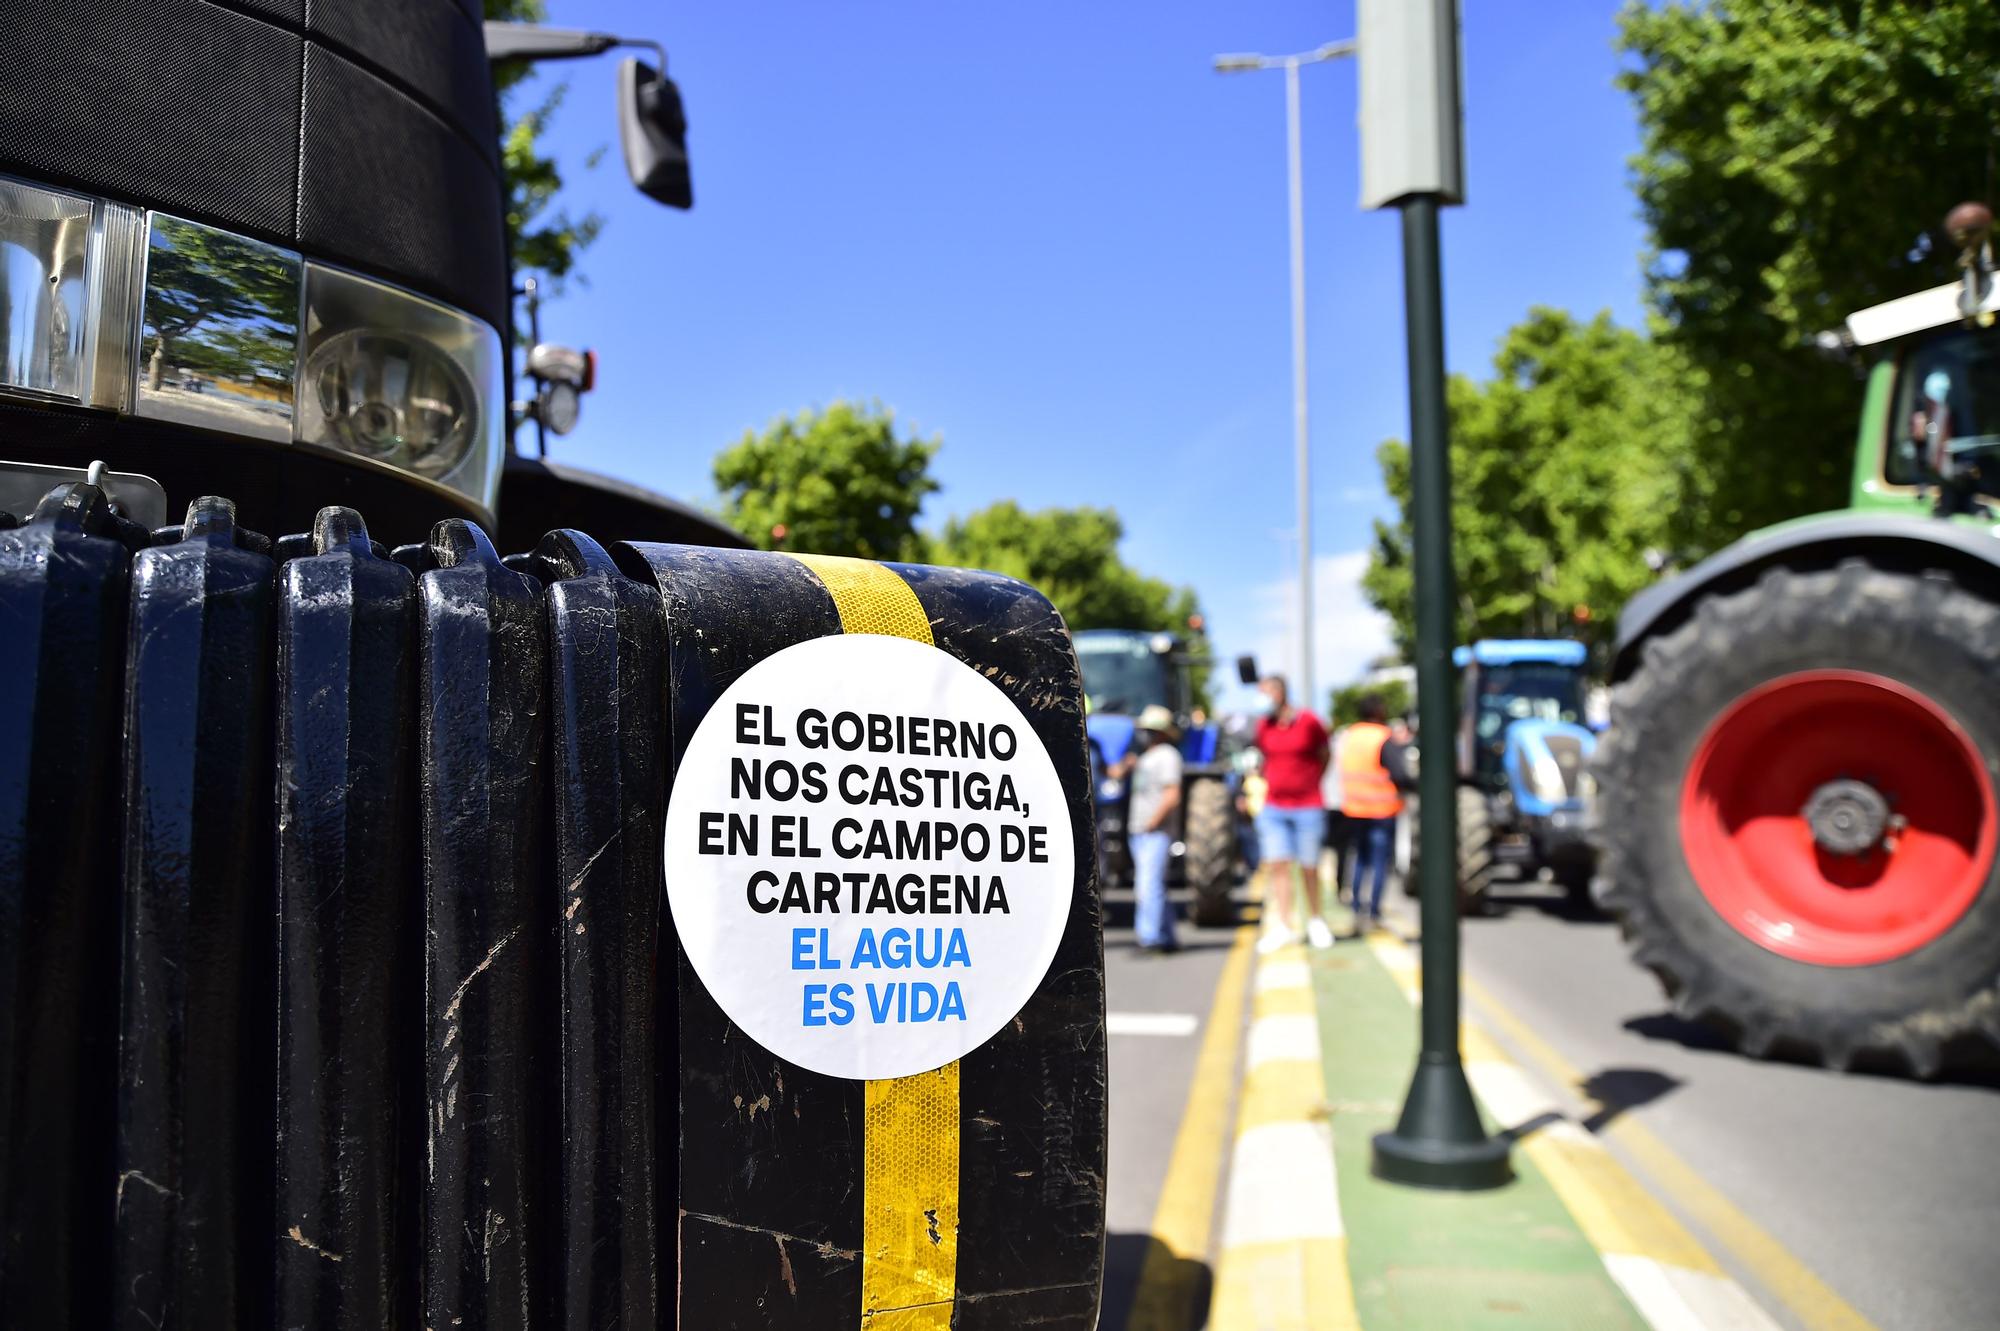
<point>1124,672</point>
<point>1524,788</point>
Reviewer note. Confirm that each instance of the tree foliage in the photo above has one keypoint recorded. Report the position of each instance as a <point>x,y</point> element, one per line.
<point>1345,707</point>
<point>1794,153</point>
<point>833,482</point>
<point>1071,556</point>
<point>1568,466</point>
<point>540,240</point>
<point>843,482</point>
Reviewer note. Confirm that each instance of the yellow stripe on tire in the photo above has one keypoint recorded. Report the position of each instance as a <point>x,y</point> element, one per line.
<point>909,1205</point>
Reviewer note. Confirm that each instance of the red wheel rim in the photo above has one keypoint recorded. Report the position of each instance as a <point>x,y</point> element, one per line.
<point>1752,851</point>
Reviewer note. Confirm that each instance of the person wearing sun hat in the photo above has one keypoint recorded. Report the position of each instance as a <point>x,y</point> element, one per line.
<point>1155,764</point>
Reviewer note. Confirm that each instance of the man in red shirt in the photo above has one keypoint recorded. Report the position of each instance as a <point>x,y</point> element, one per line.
<point>1288,830</point>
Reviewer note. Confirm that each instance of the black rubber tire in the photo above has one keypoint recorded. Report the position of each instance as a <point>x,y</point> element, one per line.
<point>1211,850</point>
<point>1574,880</point>
<point>1475,850</point>
<point>1934,1007</point>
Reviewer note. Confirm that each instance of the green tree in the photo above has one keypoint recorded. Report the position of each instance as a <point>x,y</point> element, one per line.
<point>1071,556</point>
<point>1794,152</point>
<point>1345,707</point>
<point>1568,467</point>
<point>539,240</point>
<point>832,482</point>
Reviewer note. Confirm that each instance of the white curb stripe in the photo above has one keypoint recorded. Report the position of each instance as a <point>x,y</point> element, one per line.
<point>1281,1186</point>
<point>1673,1299</point>
<point>1283,975</point>
<point>1283,1036</point>
<point>1516,1102</point>
<point>1151,1023</point>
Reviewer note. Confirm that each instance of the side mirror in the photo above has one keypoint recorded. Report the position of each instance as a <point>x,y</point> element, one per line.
<point>653,128</point>
<point>1246,669</point>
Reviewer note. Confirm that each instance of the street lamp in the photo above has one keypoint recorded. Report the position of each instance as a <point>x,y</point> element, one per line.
<point>1238,64</point>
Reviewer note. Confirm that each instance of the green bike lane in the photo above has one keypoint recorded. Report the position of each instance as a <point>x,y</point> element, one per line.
<point>1508,1258</point>
<point>1311,1241</point>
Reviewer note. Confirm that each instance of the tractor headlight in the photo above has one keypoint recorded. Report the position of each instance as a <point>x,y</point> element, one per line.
<point>1543,778</point>
<point>400,380</point>
<point>66,266</point>
<point>105,305</point>
<point>218,331</point>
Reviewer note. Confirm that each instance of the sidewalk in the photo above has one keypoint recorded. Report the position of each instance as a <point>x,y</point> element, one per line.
<point>1310,1241</point>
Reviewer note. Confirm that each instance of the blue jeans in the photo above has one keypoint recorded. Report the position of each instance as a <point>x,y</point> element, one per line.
<point>1154,918</point>
<point>1374,843</point>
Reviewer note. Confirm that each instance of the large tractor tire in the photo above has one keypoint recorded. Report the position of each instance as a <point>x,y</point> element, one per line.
<point>1475,850</point>
<point>1211,850</point>
<point>1799,817</point>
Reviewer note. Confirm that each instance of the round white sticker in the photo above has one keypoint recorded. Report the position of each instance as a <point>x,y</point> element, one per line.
<point>868,856</point>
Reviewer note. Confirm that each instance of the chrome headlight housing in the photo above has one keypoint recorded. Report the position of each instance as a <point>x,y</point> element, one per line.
<point>104,305</point>
<point>400,380</point>
<point>44,247</point>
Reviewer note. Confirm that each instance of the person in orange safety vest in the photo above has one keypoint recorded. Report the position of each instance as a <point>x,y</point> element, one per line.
<point>1374,773</point>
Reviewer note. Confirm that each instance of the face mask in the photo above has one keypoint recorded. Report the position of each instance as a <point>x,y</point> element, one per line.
<point>1261,706</point>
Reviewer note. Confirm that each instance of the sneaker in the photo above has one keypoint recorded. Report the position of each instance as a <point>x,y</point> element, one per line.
<point>1317,932</point>
<point>1275,940</point>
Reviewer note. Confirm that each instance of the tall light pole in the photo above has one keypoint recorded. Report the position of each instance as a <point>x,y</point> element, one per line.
<point>1413,160</point>
<point>1237,64</point>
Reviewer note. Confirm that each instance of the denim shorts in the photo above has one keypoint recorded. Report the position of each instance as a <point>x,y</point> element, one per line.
<point>1290,834</point>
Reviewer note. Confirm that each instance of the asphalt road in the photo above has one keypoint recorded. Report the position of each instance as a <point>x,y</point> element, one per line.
<point>1152,1064</point>
<point>1888,1189</point>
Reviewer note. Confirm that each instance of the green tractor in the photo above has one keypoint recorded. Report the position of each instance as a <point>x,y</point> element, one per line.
<point>1798,816</point>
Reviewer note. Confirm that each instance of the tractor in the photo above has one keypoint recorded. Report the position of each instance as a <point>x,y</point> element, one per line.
<point>1124,672</point>
<point>1798,815</point>
<point>332,853</point>
<point>1523,754</point>
<point>243,289</point>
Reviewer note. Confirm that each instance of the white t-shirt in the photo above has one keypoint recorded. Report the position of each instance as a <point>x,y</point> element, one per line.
<point>1158,771</point>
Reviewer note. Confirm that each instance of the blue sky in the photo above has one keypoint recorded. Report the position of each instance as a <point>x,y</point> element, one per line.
<point>1051,235</point>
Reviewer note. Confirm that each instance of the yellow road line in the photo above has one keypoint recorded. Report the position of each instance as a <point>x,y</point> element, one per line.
<point>1790,1280</point>
<point>910,1125</point>
<point>1185,1215</point>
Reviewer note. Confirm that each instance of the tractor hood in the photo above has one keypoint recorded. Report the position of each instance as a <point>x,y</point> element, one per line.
<point>1546,764</point>
<point>1111,733</point>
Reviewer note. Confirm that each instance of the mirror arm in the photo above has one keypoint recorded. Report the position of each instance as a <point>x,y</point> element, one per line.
<point>534,42</point>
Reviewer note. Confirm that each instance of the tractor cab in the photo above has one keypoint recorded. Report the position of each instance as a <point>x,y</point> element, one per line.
<point>1126,671</point>
<point>1523,749</point>
<point>1518,695</point>
<point>1930,434</point>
